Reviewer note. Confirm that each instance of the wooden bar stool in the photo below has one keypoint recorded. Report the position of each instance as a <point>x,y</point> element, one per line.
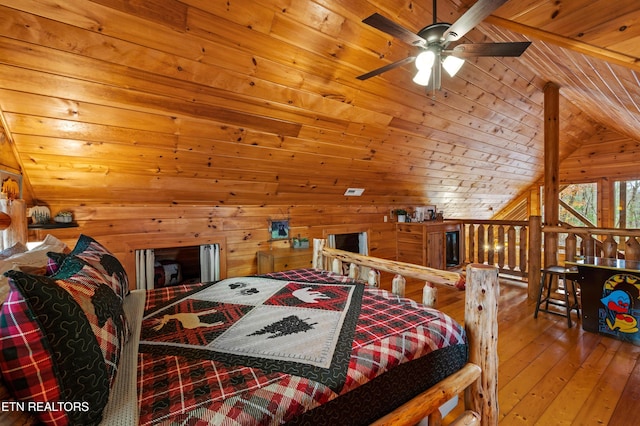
<point>544,295</point>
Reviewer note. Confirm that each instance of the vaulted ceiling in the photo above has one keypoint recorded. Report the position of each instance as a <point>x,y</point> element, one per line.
<point>257,102</point>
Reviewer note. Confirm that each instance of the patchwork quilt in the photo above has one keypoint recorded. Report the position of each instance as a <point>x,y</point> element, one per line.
<point>266,349</point>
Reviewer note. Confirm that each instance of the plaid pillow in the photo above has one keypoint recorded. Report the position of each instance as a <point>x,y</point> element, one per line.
<point>60,342</point>
<point>54,261</point>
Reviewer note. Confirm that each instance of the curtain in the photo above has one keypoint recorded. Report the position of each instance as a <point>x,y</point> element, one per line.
<point>331,241</point>
<point>145,269</point>
<point>209,262</point>
<point>363,245</point>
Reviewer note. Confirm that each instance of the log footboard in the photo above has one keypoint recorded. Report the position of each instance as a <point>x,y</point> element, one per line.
<point>479,377</point>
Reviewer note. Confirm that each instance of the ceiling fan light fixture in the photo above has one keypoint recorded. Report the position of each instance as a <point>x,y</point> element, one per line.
<point>422,77</point>
<point>452,65</point>
<point>425,60</point>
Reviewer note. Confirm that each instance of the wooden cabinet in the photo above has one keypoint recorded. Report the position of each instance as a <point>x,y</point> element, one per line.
<point>277,260</point>
<point>433,244</point>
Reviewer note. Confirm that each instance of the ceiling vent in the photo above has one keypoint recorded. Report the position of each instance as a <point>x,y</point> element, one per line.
<point>354,192</point>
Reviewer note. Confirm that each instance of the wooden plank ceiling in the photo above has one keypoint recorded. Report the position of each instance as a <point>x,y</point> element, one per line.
<point>256,102</point>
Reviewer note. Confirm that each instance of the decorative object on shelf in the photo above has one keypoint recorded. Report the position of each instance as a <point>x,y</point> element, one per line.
<point>11,185</point>
<point>424,213</point>
<point>300,242</point>
<point>279,229</point>
<point>401,214</point>
<point>63,217</point>
<point>39,214</point>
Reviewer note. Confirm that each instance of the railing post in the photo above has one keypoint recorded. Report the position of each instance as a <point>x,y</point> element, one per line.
<point>535,255</point>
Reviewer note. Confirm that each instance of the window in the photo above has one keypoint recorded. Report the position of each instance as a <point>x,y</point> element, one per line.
<point>355,242</point>
<point>579,204</point>
<point>627,202</point>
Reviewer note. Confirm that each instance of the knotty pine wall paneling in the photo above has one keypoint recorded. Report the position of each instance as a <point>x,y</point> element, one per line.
<point>244,229</point>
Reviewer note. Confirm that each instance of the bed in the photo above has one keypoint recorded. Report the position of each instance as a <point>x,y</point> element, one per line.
<point>302,347</point>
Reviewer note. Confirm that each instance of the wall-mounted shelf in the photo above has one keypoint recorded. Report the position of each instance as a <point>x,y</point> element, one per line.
<point>52,225</point>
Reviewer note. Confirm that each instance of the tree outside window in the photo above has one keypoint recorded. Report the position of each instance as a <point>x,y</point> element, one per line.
<point>627,202</point>
<point>579,204</point>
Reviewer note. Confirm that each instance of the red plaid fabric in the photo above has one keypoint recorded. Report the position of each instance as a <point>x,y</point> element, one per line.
<point>390,331</point>
<point>26,363</point>
<point>61,339</point>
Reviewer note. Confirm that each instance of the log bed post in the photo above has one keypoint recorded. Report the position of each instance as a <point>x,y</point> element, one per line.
<point>481,324</point>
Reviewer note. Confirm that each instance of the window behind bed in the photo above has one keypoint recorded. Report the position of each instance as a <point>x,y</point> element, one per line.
<point>355,242</point>
<point>172,265</point>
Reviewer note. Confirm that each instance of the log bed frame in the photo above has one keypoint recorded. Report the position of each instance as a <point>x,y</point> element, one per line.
<point>479,377</point>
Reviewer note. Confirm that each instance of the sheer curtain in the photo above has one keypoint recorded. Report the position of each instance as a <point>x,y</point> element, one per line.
<point>145,269</point>
<point>363,244</point>
<point>209,258</point>
<point>209,262</point>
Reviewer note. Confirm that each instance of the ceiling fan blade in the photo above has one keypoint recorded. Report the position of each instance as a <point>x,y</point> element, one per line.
<point>386,68</point>
<point>472,17</point>
<point>488,49</point>
<point>388,26</point>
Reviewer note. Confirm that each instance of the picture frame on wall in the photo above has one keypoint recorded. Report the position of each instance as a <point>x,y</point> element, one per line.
<point>279,229</point>
<point>10,185</point>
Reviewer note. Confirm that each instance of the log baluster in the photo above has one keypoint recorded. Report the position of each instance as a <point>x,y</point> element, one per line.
<point>632,249</point>
<point>500,246</point>
<point>610,247</point>
<point>570,245</point>
<point>336,266</point>
<point>398,285</point>
<point>524,240</point>
<point>589,246</point>
<point>471,243</point>
<point>481,243</point>
<point>512,244</point>
<point>429,295</point>
<point>354,271</point>
<point>490,246</point>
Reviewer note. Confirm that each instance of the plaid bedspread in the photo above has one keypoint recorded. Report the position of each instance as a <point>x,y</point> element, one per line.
<point>181,388</point>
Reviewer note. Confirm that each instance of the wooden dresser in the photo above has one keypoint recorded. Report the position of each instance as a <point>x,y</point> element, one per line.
<point>277,260</point>
<point>425,243</point>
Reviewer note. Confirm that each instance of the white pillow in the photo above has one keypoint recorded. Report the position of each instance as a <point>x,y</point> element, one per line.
<point>34,258</point>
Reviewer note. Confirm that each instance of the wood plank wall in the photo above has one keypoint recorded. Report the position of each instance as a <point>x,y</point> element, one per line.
<point>243,228</point>
<point>603,159</point>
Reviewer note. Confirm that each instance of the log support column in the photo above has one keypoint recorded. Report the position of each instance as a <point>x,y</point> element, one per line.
<point>551,169</point>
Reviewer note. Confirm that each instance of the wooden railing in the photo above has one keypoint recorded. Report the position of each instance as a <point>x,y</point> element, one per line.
<point>500,243</point>
<point>514,247</point>
<point>599,242</point>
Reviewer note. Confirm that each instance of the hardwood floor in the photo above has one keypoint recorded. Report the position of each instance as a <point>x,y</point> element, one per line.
<point>550,374</point>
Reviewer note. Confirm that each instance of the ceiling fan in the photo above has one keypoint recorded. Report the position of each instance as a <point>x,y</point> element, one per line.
<point>434,41</point>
